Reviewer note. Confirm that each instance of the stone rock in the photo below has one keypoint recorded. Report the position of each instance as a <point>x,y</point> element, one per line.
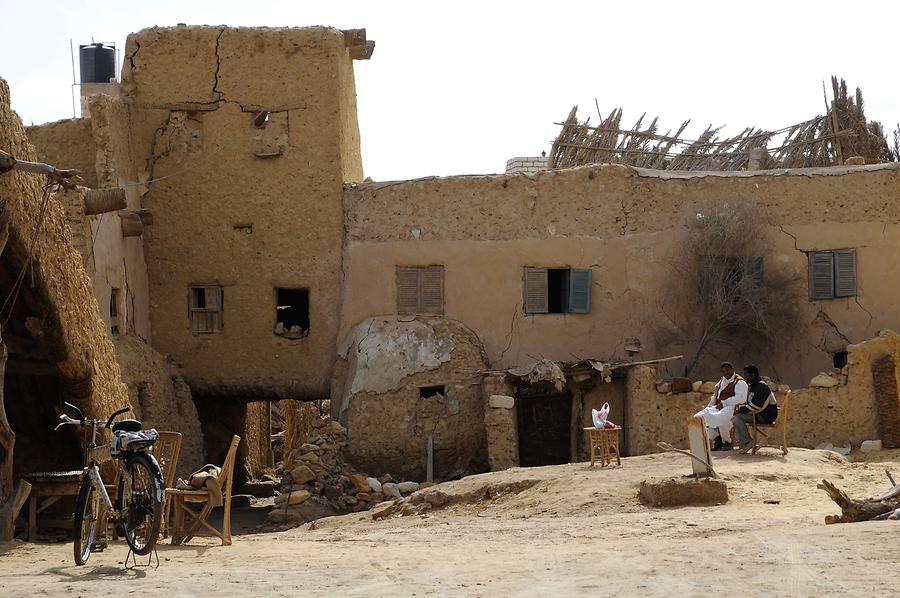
<point>310,457</point>
<point>307,447</point>
<point>680,385</point>
<point>360,482</point>
<point>302,474</point>
<point>386,478</point>
<point>407,487</point>
<point>384,509</point>
<point>708,387</point>
<point>843,450</point>
<point>333,492</point>
<point>391,490</point>
<point>373,484</point>
<point>241,501</point>
<point>675,492</point>
<point>696,386</point>
<point>823,380</point>
<point>502,402</point>
<point>436,498</point>
<point>334,427</point>
<point>869,446</point>
<point>663,387</point>
<point>259,488</point>
<point>294,498</point>
<point>350,501</point>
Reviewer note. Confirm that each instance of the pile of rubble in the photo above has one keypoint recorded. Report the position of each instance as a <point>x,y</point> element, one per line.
<point>317,481</point>
<point>685,385</point>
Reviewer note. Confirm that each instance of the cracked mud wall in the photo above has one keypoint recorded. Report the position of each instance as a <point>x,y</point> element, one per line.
<point>623,224</point>
<point>844,414</point>
<point>242,201</point>
<point>66,144</point>
<point>69,326</point>
<point>388,421</point>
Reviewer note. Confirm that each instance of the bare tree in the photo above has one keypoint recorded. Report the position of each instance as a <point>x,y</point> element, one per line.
<point>721,291</point>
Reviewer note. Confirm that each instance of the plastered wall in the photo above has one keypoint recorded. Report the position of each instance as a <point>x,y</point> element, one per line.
<point>624,224</point>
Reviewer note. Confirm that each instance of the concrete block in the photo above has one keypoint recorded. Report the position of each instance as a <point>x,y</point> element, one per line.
<point>502,402</point>
<point>869,446</point>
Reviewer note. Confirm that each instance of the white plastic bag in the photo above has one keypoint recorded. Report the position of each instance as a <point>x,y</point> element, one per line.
<point>599,417</point>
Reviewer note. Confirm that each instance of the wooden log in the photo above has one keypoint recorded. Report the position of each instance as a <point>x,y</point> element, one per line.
<point>101,201</point>
<point>132,226</point>
<point>9,510</point>
<point>855,510</point>
<point>145,215</point>
<point>9,163</point>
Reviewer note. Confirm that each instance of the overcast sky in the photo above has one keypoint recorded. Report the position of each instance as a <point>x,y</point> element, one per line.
<point>459,87</point>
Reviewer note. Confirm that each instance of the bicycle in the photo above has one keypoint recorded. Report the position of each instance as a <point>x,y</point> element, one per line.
<point>141,493</point>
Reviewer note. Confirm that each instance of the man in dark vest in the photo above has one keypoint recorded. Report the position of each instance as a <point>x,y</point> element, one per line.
<point>760,406</point>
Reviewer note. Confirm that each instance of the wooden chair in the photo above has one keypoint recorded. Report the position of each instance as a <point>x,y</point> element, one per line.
<point>180,497</point>
<point>166,450</point>
<point>757,430</point>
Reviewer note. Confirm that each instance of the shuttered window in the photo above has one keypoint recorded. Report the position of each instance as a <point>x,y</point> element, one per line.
<point>206,309</point>
<point>832,274</point>
<point>580,290</point>
<point>557,290</point>
<point>420,289</point>
<point>536,292</point>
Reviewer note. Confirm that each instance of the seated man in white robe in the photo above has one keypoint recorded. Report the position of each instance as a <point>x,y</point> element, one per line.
<point>731,391</point>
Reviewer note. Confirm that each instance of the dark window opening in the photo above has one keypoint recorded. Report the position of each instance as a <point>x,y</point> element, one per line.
<point>840,359</point>
<point>114,310</point>
<point>426,392</point>
<point>557,290</point>
<point>292,313</point>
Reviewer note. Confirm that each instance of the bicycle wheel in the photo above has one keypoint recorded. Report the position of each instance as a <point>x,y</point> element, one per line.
<point>88,513</point>
<point>140,502</point>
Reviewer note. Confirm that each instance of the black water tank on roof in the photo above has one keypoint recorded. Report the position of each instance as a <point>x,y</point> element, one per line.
<point>98,63</point>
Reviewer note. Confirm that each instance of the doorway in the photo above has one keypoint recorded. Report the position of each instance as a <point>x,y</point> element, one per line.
<point>545,426</point>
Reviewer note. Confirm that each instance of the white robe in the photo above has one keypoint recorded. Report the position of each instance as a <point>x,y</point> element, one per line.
<point>719,420</point>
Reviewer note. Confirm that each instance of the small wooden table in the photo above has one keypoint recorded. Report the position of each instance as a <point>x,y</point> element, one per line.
<point>48,488</point>
<point>605,442</point>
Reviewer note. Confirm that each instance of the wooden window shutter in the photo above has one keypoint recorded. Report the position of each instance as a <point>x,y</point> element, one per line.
<point>407,290</point>
<point>431,290</point>
<point>214,309</point>
<point>845,273</point>
<point>580,290</point>
<point>536,294</point>
<point>821,275</point>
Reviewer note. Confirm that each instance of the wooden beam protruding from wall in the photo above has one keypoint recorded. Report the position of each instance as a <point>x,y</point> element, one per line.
<point>101,201</point>
<point>132,224</point>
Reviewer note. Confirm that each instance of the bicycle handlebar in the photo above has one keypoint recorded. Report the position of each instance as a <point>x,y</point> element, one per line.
<point>65,420</point>
<point>119,412</point>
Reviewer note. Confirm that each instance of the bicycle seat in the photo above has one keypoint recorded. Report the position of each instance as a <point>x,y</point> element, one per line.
<point>127,425</point>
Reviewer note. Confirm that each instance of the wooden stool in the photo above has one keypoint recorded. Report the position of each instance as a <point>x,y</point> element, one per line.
<point>604,441</point>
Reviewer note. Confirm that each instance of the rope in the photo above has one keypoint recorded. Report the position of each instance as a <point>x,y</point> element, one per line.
<point>17,285</point>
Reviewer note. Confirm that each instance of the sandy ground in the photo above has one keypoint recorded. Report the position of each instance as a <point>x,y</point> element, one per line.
<point>577,530</point>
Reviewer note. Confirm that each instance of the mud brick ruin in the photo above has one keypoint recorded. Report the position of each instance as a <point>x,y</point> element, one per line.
<point>224,251</point>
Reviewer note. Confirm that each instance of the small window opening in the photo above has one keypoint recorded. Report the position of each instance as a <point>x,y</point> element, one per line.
<point>206,310</point>
<point>840,359</point>
<point>292,313</point>
<point>557,291</point>
<point>114,310</point>
<point>426,392</point>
